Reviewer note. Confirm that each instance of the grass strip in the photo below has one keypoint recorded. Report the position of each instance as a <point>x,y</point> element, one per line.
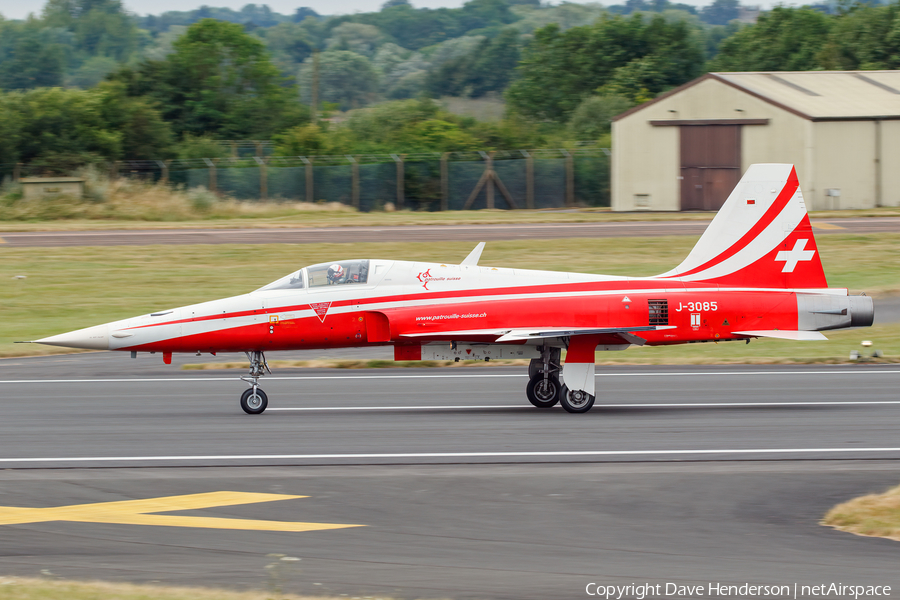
<point>297,215</point>
<point>23,588</point>
<point>874,515</point>
<point>69,288</point>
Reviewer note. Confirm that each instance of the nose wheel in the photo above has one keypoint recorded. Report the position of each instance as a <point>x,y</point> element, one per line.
<point>254,401</point>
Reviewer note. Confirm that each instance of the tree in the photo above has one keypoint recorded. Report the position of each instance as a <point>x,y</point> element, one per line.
<point>784,39</point>
<point>638,57</point>
<point>487,68</point>
<point>593,117</point>
<point>27,58</point>
<point>356,37</point>
<point>345,77</point>
<point>219,80</point>
<point>144,135</point>
<point>720,12</point>
<point>864,38</point>
<point>62,129</point>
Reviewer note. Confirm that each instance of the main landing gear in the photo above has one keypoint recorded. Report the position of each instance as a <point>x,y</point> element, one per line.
<point>575,401</point>
<point>543,388</point>
<point>254,401</point>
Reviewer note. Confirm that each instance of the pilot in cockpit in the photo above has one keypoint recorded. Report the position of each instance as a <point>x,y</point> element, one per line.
<point>336,274</point>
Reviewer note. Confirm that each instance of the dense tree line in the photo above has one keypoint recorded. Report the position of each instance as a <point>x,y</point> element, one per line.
<point>85,81</point>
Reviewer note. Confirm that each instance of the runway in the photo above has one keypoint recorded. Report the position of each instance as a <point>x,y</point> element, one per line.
<point>408,233</point>
<point>444,483</point>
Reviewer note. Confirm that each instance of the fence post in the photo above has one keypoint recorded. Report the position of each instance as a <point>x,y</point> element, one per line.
<point>164,171</point>
<point>309,179</point>
<point>490,180</point>
<point>529,179</point>
<point>263,179</point>
<point>17,172</point>
<point>114,170</point>
<point>211,167</point>
<point>445,181</point>
<point>570,179</point>
<point>354,185</point>
<point>400,177</point>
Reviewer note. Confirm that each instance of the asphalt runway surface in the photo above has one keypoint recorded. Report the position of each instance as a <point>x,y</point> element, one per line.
<point>408,233</point>
<point>443,483</point>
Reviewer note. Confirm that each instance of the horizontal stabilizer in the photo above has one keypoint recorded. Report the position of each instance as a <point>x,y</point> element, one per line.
<point>781,334</point>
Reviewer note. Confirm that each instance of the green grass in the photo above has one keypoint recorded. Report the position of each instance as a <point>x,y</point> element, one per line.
<point>875,515</point>
<point>70,288</point>
<point>21,588</point>
<point>289,215</point>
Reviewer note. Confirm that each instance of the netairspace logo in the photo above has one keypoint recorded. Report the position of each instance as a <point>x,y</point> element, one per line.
<point>639,591</point>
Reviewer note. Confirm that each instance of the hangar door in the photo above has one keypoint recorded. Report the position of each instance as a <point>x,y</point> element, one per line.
<point>710,165</point>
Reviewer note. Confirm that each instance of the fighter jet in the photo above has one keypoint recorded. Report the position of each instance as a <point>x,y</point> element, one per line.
<point>755,273</point>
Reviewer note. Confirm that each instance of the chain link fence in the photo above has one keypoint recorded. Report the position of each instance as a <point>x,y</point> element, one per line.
<point>549,178</point>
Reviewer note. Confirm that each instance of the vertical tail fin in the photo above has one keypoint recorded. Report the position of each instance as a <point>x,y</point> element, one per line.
<point>761,237</point>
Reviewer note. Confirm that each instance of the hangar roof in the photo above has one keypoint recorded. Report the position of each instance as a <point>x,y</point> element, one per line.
<point>815,95</point>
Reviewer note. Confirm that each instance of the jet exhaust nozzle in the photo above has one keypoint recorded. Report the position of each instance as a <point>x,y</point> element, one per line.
<point>862,311</point>
<point>821,312</point>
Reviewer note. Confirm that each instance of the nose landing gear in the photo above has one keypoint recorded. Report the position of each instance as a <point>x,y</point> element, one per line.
<point>254,401</point>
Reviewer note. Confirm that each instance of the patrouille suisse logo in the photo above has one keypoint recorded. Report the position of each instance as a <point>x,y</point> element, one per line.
<point>426,277</point>
<point>321,309</point>
<point>142,512</point>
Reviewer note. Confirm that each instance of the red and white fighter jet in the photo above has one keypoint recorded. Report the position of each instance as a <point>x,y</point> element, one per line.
<point>754,273</point>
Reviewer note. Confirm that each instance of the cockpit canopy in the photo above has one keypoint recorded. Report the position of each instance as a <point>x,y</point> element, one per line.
<point>329,273</point>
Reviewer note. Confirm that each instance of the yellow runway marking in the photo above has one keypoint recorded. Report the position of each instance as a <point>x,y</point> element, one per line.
<point>137,512</point>
<point>827,226</point>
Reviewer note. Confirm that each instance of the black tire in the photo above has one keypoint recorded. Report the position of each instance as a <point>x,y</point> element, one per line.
<point>535,368</point>
<point>254,405</point>
<point>575,401</point>
<point>543,396</point>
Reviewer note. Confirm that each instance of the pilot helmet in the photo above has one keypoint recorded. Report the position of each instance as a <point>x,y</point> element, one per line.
<point>335,272</point>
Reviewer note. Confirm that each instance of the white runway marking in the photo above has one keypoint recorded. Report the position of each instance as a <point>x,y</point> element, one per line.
<point>598,406</point>
<point>414,455</point>
<point>462,376</point>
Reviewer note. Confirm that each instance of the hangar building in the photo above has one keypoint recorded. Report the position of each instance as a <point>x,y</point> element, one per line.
<point>686,149</point>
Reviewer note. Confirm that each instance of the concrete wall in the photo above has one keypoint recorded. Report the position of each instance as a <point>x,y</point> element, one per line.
<point>844,160</point>
<point>890,163</point>
<point>644,163</point>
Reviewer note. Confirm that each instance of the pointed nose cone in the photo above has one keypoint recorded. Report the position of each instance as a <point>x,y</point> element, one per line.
<point>92,338</point>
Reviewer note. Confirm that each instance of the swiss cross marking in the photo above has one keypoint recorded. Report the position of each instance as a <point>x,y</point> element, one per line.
<point>795,255</point>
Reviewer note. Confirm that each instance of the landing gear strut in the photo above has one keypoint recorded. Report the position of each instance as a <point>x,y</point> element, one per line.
<point>254,401</point>
<point>543,380</point>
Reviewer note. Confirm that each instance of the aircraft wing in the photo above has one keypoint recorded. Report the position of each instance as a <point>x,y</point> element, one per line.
<point>516,335</point>
<point>554,332</point>
<point>782,334</point>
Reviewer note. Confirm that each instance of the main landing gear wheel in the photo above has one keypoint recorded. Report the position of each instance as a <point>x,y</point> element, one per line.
<point>254,401</point>
<point>575,401</point>
<point>543,393</point>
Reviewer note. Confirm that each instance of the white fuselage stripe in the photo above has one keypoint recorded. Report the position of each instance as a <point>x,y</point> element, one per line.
<point>600,406</point>
<point>450,455</point>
